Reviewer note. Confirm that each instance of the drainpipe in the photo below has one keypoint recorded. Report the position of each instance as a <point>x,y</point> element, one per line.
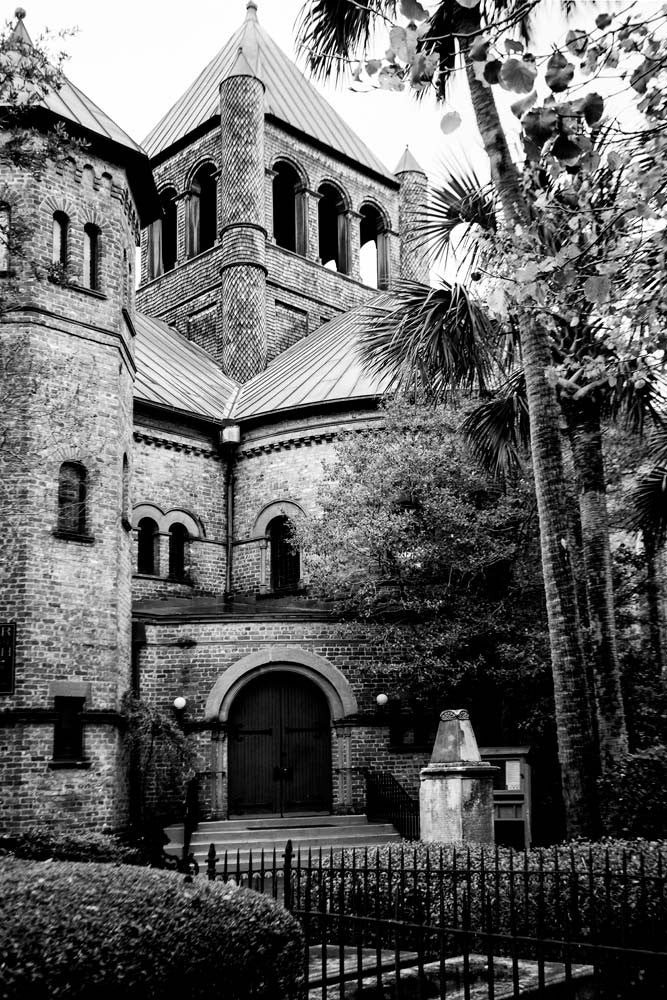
<point>230,437</point>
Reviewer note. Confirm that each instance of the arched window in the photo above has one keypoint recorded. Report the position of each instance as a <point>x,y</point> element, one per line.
<point>178,539</point>
<point>374,248</point>
<point>289,209</point>
<point>285,559</point>
<point>72,495</point>
<point>169,222</point>
<point>148,560</point>
<point>5,225</point>
<point>202,211</point>
<point>60,239</point>
<point>333,234</point>
<point>91,256</point>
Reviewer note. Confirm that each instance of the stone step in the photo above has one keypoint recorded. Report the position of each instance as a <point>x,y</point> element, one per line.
<point>321,834</point>
<point>270,834</point>
<point>277,822</point>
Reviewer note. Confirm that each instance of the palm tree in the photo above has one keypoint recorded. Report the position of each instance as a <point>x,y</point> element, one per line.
<point>333,30</point>
<point>648,515</point>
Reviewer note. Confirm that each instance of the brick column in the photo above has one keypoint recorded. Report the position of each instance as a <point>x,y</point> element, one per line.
<point>243,347</point>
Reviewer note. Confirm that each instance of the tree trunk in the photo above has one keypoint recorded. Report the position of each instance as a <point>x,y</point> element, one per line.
<point>654,601</point>
<point>576,743</point>
<point>586,436</point>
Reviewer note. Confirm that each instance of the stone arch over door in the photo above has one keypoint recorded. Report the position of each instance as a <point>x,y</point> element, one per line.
<point>285,660</point>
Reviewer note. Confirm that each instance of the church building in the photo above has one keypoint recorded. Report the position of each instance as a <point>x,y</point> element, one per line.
<point>162,433</point>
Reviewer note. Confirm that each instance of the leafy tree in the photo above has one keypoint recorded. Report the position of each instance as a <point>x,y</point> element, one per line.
<point>331,30</point>
<point>411,536</point>
<point>565,230</point>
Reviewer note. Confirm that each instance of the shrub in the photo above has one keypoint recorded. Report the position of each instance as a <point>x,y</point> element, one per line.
<point>43,843</point>
<point>633,795</point>
<point>101,931</point>
<point>611,891</point>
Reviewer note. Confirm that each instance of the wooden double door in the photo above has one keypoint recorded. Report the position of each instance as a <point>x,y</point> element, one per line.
<point>279,757</point>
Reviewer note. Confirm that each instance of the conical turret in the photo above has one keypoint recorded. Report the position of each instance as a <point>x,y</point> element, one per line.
<point>412,205</point>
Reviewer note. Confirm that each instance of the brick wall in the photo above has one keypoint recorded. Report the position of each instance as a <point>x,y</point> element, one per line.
<point>187,658</point>
<point>67,362</point>
<point>182,470</point>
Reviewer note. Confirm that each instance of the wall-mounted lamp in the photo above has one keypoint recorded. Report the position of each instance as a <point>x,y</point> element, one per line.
<point>180,703</point>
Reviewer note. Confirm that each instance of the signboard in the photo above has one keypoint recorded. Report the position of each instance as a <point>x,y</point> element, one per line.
<point>7,656</point>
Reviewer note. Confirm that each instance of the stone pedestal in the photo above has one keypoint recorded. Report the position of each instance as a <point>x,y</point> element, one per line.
<point>456,790</point>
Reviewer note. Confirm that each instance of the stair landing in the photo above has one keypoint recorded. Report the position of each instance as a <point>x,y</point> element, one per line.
<point>269,833</point>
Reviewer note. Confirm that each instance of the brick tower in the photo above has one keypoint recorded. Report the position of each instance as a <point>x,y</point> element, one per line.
<point>412,204</point>
<point>243,224</point>
<point>66,360</point>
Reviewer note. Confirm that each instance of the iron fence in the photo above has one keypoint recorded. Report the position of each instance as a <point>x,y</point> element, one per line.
<point>420,922</point>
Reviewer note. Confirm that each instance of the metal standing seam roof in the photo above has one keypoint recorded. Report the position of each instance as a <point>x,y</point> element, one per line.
<point>323,367</point>
<point>174,372</point>
<point>289,97</point>
<point>319,369</point>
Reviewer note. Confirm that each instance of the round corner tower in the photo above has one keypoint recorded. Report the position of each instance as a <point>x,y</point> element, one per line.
<point>66,363</point>
<point>243,221</point>
<point>413,199</point>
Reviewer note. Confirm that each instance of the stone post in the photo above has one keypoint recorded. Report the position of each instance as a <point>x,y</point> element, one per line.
<point>456,788</point>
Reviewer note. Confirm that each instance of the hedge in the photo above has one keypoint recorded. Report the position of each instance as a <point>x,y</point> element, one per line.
<point>42,843</point>
<point>99,931</point>
<point>611,891</point>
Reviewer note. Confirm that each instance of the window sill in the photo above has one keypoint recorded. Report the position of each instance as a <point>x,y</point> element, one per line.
<point>73,536</point>
<point>73,287</point>
<point>74,765</point>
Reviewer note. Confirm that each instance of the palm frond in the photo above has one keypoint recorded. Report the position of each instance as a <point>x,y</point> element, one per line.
<point>648,505</point>
<point>634,402</point>
<point>330,33</point>
<point>438,339</point>
<point>461,199</point>
<point>497,431</point>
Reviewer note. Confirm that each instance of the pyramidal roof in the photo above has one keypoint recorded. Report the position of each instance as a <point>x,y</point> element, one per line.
<point>289,97</point>
<point>68,102</point>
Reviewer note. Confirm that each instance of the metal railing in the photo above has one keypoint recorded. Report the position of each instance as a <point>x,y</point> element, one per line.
<point>387,799</point>
<point>415,921</point>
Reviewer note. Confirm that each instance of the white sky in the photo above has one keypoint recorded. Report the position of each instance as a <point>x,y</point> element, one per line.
<point>134,58</point>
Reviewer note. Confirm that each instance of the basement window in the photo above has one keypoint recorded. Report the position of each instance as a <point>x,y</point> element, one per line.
<point>68,731</point>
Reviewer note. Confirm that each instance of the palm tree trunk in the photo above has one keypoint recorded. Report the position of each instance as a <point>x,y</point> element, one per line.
<point>504,174</point>
<point>576,742</point>
<point>654,602</point>
<point>586,437</point>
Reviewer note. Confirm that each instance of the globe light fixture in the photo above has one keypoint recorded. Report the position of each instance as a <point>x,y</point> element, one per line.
<point>179,703</point>
<point>382,700</point>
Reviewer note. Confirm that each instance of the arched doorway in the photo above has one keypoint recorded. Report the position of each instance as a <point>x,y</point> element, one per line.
<point>279,747</point>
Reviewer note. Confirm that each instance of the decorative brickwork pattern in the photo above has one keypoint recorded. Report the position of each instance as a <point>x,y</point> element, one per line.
<point>413,198</point>
<point>244,341</point>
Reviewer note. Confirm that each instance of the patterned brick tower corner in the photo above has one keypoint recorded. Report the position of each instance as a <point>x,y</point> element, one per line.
<point>412,205</point>
<point>243,232</point>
